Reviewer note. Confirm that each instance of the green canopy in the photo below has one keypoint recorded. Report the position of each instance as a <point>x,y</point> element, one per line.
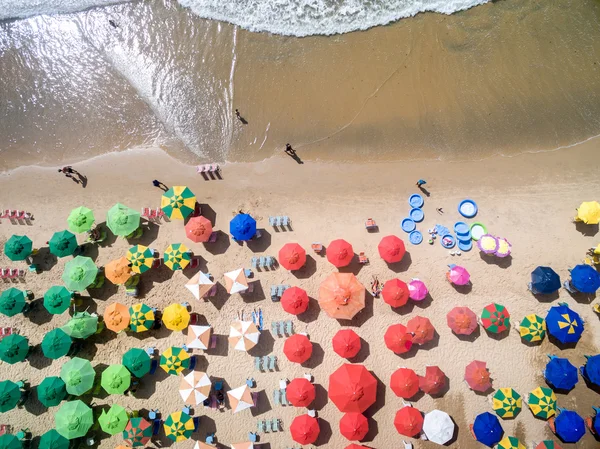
<point>53,440</point>
<point>14,348</point>
<point>12,301</point>
<point>63,243</point>
<point>56,344</point>
<point>78,376</point>
<point>51,391</point>
<point>115,420</point>
<point>79,273</point>
<point>73,420</point>
<point>57,299</point>
<point>8,441</point>
<point>122,220</point>
<point>82,325</point>
<point>116,379</point>
<point>80,219</point>
<point>9,395</point>
<point>18,247</point>
<point>137,361</point>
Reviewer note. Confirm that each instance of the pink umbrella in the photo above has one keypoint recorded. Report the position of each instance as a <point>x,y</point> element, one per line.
<point>417,290</point>
<point>458,275</point>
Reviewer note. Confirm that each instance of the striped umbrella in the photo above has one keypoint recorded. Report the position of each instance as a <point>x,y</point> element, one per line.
<point>510,443</point>
<point>548,444</point>
<point>195,388</point>
<point>122,220</point>
<point>174,360</point>
<point>198,337</point>
<point>240,398</point>
<point>495,318</point>
<point>542,402</point>
<point>178,202</point>
<point>564,324</point>
<point>532,328</point>
<point>177,256</point>
<point>80,219</point>
<point>141,258</point>
<point>141,318</point>
<point>179,426</point>
<point>507,403</point>
<point>137,433</point>
<point>18,247</point>
<point>200,284</point>
<point>243,335</point>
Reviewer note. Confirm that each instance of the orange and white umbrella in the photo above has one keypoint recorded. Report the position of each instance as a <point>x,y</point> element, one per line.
<point>198,337</point>
<point>243,335</point>
<point>195,388</point>
<point>199,285</point>
<point>247,445</point>
<point>240,398</point>
<point>201,445</point>
<point>235,281</point>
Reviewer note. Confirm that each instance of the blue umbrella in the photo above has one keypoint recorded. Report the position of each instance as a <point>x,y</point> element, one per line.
<point>487,429</point>
<point>591,369</point>
<point>242,227</point>
<point>564,324</point>
<point>585,278</point>
<point>570,427</point>
<point>560,373</point>
<point>544,280</point>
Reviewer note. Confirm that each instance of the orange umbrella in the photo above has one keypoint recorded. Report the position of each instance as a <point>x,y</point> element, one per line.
<point>398,339</point>
<point>298,348</point>
<point>340,253</point>
<point>198,229</point>
<point>341,296</point>
<point>421,328</point>
<point>292,256</point>
<point>478,376</point>
<point>395,293</point>
<point>118,271</point>
<point>116,317</point>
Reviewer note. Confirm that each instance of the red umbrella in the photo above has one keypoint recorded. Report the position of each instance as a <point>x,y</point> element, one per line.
<point>434,380</point>
<point>408,421</point>
<point>300,392</point>
<point>462,320</point>
<point>395,293</point>
<point>346,343</point>
<point>297,348</point>
<point>398,339</point>
<point>404,382</point>
<point>421,328</point>
<point>354,426</point>
<point>391,249</point>
<point>352,388</point>
<point>292,256</point>
<point>478,376</point>
<point>294,300</point>
<point>198,229</point>
<point>305,429</point>
<point>340,253</point>
<point>356,446</point>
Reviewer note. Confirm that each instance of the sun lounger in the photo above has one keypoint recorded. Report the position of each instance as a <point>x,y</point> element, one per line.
<point>252,437</point>
<point>254,263</point>
<point>568,287</point>
<point>6,331</point>
<point>262,262</point>
<point>274,296</point>
<point>308,377</point>
<point>272,363</point>
<point>277,397</point>
<point>316,247</point>
<point>362,258</point>
<point>312,413</point>
<point>289,327</point>
<point>265,362</point>
<point>257,364</point>
<point>4,429</point>
<point>276,424</point>
<point>285,221</point>
<point>284,400</point>
<point>268,427</point>
<point>275,328</point>
<point>272,221</point>
<point>282,328</point>
<point>261,426</point>
<point>269,262</point>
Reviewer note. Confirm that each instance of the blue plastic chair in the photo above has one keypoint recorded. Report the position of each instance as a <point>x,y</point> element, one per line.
<point>218,385</point>
<point>252,437</point>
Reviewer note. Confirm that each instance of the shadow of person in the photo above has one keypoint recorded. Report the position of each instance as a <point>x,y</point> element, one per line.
<point>424,191</point>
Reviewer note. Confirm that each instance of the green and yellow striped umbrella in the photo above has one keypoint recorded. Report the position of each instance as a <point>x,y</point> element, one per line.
<point>141,318</point>
<point>179,426</point>
<point>177,256</point>
<point>507,403</point>
<point>141,258</point>
<point>510,443</point>
<point>174,360</point>
<point>178,202</point>
<point>542,402</point>
<point>532,328</point>
<point>548,444</point>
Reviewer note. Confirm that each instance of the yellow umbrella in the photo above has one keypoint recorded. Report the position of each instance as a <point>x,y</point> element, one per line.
<point>141,258</point>
<point>176,317</point>
<point>179,426</point>
<point>177,256</point>
<point>178,202</point>
<point>174,360</point>
<point>589,212</point>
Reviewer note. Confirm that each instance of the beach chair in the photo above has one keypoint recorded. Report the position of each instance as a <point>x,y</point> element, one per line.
<point>370,224</point>
<point>316,247</point>
<point>277,397</point>
<point>272,362</point>
<point>254,263</point>
<point>268,427</point>
<point>285,221</point>
<point>274,296</point>
<point>568,287</point>
<point>257,364</point>
<point>4,429</point>
<point>257,235</point>
<point>146,212</point>
<point>272,221</point>
<point>252,437</point>
<point>284,400</point>
<point>312,413</point>
<point>362,258</point>
<point>282,328</point>
<point>213,237</point>
<point>210,438</point>
<point>276,424</point>
<point>289,327</point>
<point>262,262</point>
<point>260,426</point>
<point>194,263</point>
<point>186,409</point>
<point>308,377</point>
<point>269,262</point>
<point>275,328</point>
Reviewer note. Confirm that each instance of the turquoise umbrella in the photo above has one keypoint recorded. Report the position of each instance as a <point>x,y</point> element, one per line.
<point>12,301</point>
<point>63,243</point>
<point>57,299</point>
<point>18,247</point>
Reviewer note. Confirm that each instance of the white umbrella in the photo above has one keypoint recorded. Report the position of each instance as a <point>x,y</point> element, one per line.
<point>235,281</point>
<point>438,427</point>
<point>198,337</point>
<point>195,388</point>
<point>199,285</point>
<point>243,335</point>
<point>246,445</point>
<point>240,398</point>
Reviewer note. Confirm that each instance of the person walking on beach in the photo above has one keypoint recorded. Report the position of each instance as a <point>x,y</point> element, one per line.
<point>240,118</point>
<point>289,150</point>
<point>421,182</point>
<point>68,172</point>
<point>160,185</point>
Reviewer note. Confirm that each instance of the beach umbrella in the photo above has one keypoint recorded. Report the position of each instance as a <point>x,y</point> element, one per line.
<point>82,325</point>
<point>294,300</point>
<point>62,243</point>
<point>122,220</point>
<point>356,446</point>
<point>235,281</point>
<point>9,441</point>
<point>198,229</point>
<point>548,444</point>
<point>346,343</point>
<point>73,419</point>
<point>595,424</point>
<point>408,421</point>
<point>12,301</point>
<point>391,249</point>
<point>179,426</point>
<point>341,296</point>
<point>544,280</point>
<point>585,278</point>
<point>340,253</point>
<point>354,426</point>
<point>141,258</point>
<point>176,317</point>
<point>195,388</point>
<point>240,398</point>
<point>589,212</point>
<point>510,443</point>
<point>198,337</point>
<point>532,328</point>
<point>297,348</point>
<point>10,394</point>
<point>404,383</point>
<point>395,293</point>
<point>118,271</point>
<point>245,445</point>
<point>292,256</point>
<point>591,369</point>
<point>495,318</point>
<point>116,317</point>
<point>417,290</point>
<point>79,273</point>
<point>177,256</point>
<point>434,380</point>
<point>488,244</point>
<point>243,335</point>
<point>242,227</point>
<point>57,299</point>
<point>78,376</point>
<point>178,202</point>
<point>174,360</point>
<point>300,392</point>
<point>137,361</point>
<point>542,402</point>
<point>422,330</point>
<point>56,344</point>
<point>560,373</point>
<point>304,429</point>
<point>14,348</point>
<point>438,427</point>
<point>564,324</point>
<point>487,429</point>
<point>458,275</point>
<point>504,248</point>
<point>352,388</point>
<point>477,376</point>
<point>141,318</point>
<point>569,426</point>
<point>18,247</point>
<point>51,391</point>
<point>137,433</point>
<point>53,440</point>
<point>116,379</point>
<point>507,403</point>
<point>80,219</point>
<point>397,339</point>
<point>114,421</point>
<point>200,284</point>
<point>462,321</point>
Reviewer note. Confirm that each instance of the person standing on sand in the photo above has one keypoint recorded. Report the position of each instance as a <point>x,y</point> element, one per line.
<point>160,185</point>
<point>421,182</point>
<point>289,150</point>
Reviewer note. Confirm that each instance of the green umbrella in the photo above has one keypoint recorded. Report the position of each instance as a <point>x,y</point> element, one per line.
<point>53,440</point>
<point>80,219</point>
<point>51,391</point>
<point>56,344</point>
<point>114,421</point>
<point>79,273</point>
<point>8,441</point>
<point>12,301</point>
<point>18,247</point>
<point>137,361</point>
<point>116,379</point>
<point>73,420</point>
<point>14,348</point>
<point>63,243</point>
<point>57,299</point>
<point>82,325</point>
<point>78,376</point>
<point>9,395</point>
<point>122,220</point>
